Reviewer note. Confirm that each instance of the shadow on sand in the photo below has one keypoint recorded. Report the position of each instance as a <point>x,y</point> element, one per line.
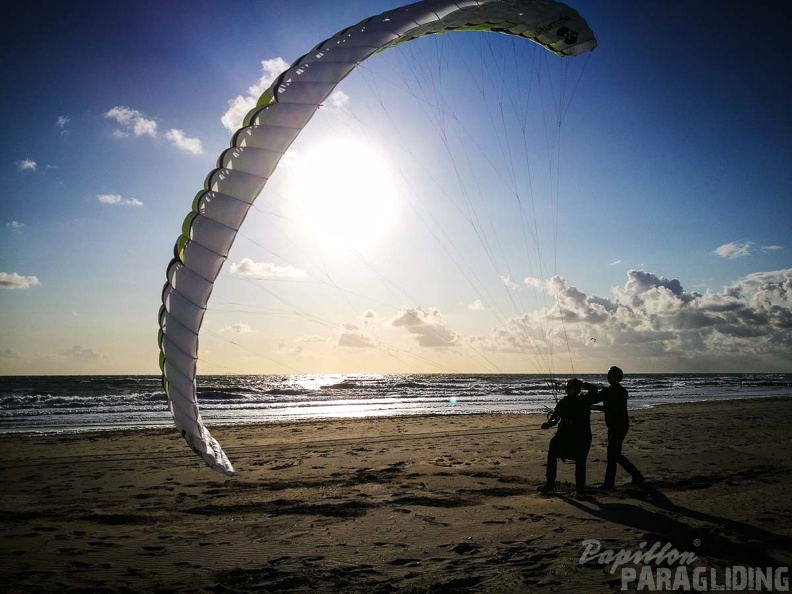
<point>716,538</point>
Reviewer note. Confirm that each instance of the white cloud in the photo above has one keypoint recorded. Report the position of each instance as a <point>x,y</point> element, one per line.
<point>428,327</point>
<point>533,282</point>
<point>302,345</point>
<point>312,339</point>
<point>82,354</point>
<point>15,225</point>
<point>27,165</point>
<point>237,329</point>
<point>15,281</point>
<point>338,99</point>
<point>178,139</point>
<point>133,121</point>
<point>354,338</point>
<point>63,121</point>
<point>515,337</point>
<point>239,107</point>
<point>771,248</point>
<point>509,283</point>
<point>285,348</point>
<point>248,267</point>
<point>477,305</point>
<point>614,263</point>
<point>118,199</point>
<point>358,334</point>
<point>734,250</point>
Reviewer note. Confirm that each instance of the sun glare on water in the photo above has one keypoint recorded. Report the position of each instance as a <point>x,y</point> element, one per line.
<point>344,193</point>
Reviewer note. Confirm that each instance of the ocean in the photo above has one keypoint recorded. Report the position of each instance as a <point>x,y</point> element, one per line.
<point>53,404</point>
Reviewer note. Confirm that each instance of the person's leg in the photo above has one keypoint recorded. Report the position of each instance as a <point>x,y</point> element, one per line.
<point>615,440</point>
<point>580,465</point>
<point>635,474</point>
<point>552,465</point>
<point>580,473</point>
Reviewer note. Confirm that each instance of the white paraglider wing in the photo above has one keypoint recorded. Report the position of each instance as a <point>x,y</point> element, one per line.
<point>269,129</point>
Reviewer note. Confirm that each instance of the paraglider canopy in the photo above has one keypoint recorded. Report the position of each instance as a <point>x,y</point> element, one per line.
<point>282,111</point>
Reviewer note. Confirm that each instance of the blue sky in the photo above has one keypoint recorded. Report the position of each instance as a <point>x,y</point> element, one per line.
<point>663,231</point>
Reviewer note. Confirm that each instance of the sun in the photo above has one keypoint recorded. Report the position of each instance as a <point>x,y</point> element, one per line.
<point>344,193</point>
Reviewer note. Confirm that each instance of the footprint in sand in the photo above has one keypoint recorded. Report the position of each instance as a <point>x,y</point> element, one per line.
<point>187,564</point>
<point>405,562</point>
<point>465,548</point>
<point>71,551</point>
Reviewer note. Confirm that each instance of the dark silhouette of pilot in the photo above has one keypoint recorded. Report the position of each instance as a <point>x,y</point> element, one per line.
<point>614,404</point>
<point>572,440</point>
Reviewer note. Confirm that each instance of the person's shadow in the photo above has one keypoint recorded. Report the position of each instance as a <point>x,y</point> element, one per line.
<point>719,539</point>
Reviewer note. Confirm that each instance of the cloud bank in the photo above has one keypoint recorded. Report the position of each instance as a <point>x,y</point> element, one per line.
<point>651,323</point>
<point>653,318</point>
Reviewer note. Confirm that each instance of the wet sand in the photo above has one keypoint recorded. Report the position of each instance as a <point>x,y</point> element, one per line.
<point>427,504</point>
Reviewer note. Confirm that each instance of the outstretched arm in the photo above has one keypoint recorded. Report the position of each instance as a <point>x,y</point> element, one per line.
<point>593,395</point>
<point>554,417</point>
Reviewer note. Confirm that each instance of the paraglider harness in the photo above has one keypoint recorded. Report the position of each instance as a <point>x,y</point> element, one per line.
<point>554,386</point>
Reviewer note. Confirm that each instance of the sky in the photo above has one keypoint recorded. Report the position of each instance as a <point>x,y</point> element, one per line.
<point>465,203</point>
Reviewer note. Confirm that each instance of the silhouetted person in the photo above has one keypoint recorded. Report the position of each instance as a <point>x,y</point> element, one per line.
<point>614,404</point>
<point>572,440</point>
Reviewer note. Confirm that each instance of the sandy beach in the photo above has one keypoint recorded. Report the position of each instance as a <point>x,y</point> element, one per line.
<point>421,504</point>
